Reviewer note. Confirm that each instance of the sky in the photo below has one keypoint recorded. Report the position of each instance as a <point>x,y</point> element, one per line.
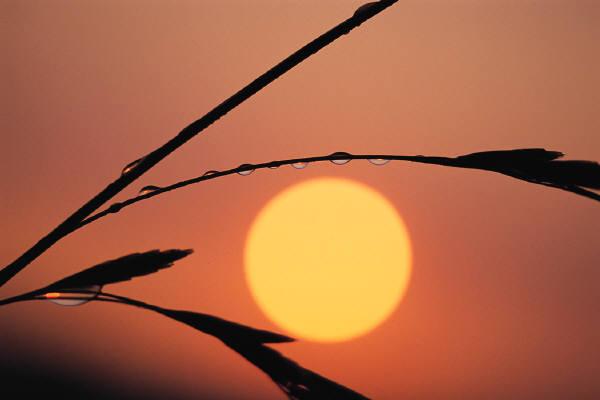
<point>503,297</point>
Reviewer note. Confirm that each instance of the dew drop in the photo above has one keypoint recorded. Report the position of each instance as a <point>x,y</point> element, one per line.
<point>72,298</point>
<point>211,172</point>
<point>339,158</point>
<point>378,161</point>
<point>115,207</point>
<point>131,166</point>
<point>274,166</point>
<point>246,172</point>
<point>300,165</point>
<point>148,189</point>
<point>364,8</point>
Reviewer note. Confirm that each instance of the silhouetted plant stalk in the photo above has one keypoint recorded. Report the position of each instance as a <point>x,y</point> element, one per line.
<point>537,166</point>
<point>294,380</point>
<point>137,168</point>
<point>290,377</point>
<point>533,165</point>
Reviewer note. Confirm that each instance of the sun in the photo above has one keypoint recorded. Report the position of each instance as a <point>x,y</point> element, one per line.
<point>328,259</point>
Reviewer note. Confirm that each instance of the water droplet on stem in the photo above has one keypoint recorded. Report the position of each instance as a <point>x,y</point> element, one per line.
<point>378,161</point>
<point>364,8</point>
<point>246,172</point>
<point>70,297</point>
<point>300,165</point>
<point>115,207</point>
<point>131,166</point>
<point>148,189</point>
<point>340,157</point>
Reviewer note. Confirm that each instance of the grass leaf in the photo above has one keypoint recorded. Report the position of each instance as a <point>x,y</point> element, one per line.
<point>120,269</point>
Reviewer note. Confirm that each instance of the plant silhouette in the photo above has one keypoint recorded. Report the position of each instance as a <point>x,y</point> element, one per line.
<point>121,269</point>
<point>135,169</point>
<point>537,166</point>
<point>294,380</point>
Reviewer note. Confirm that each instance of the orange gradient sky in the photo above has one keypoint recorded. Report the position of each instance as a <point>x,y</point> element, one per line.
<point>503,298</point>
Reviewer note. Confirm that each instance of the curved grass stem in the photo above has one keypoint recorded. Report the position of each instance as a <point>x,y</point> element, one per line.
<point>145,163</point>
<point>435,160</point>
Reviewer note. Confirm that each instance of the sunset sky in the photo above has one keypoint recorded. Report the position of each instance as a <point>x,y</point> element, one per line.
<point>504,290</point>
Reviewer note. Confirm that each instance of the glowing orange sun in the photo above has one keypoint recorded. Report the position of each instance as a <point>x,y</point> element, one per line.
<point>328,259</point>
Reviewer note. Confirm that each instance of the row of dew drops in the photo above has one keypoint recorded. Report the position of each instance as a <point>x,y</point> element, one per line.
<point>91,292</point>
<point>337,158</point>
<point>76,299</point>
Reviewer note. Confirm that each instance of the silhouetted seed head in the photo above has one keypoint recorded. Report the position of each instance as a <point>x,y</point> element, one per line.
<point>510,157</point>
<point>297,382</point>
<point>378,161</point>
<point>223,329</point>
<point>246,172</point>
<point>340,158</point>
<point>148,189</point>
<point>120,269</point>
<point>566,172</point>
<point>300,165</point>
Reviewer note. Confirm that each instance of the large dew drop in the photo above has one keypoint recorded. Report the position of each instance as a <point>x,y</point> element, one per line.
<point>72,298</point>
<point>300,165</point>
<point>378,161</point>
<point>131,166</point>
<point>148,189</point>
<point>340,158</point>
<point>246,172</point>
<point>364,8</point>
<point>115,207</point>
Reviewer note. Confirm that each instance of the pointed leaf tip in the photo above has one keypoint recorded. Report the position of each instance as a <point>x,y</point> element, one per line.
<point>293,379</point>
<point>566,172</point>
<point>224,329</point>
<point>509,157</point>
<point>121,269</point>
